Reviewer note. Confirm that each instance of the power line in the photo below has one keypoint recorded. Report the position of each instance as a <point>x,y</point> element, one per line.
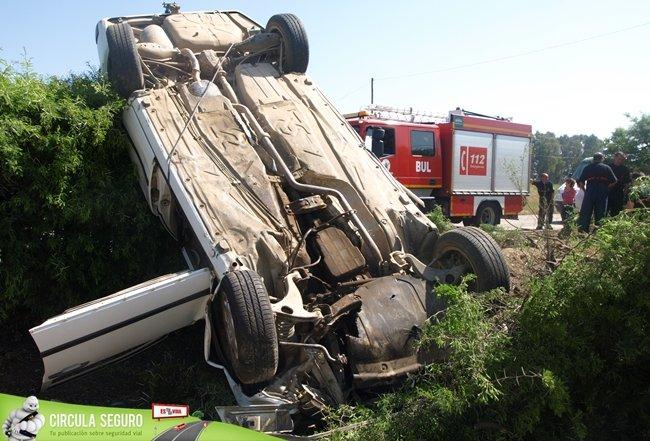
<point>353,91</point>
<point>521,54</point>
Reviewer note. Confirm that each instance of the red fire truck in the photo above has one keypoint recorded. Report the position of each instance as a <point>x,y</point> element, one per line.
<point>474,166</point>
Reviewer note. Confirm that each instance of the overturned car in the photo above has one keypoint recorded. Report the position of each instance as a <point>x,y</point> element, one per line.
<point>311,266</point>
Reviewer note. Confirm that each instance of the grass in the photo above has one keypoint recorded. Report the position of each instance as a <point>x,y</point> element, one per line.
<point>532,200</point>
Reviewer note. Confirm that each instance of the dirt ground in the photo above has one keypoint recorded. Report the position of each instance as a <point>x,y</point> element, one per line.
<point>525,263</point>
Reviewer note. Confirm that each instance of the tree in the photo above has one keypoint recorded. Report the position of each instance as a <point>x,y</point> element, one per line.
<point>547,155</point>
<point>633,141</point>
<point>572,152</point>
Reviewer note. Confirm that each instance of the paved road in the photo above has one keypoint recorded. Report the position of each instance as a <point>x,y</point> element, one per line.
<point>529,222</point>
<point>190,432</point>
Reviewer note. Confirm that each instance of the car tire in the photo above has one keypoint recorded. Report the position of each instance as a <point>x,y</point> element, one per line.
<point>480,252</point>
<point>124,69</point>
<point>246,327</point>
<point>295,46</point>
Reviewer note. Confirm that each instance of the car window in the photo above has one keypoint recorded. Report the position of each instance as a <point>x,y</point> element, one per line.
<point>422,143</point>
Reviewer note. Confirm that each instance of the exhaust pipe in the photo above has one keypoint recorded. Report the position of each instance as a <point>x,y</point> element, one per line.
<point>286,172</point>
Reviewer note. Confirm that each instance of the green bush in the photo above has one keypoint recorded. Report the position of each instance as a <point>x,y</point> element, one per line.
<point>73,223</point>
<point>588,324</point>
<point>571,361</point>
<point>640,191</point>
<point>439,219</point>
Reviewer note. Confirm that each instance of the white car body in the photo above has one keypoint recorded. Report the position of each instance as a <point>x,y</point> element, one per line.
<point>252,169</point>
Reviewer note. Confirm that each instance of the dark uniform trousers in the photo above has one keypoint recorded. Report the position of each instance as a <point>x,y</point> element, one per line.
<point>596,200</point>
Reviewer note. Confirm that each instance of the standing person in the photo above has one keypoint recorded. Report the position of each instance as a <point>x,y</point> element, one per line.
<point>618,193</point>
<point>568,198</point>
<point>557,200</point>
<point>545,191</point>
<point>598,177</point>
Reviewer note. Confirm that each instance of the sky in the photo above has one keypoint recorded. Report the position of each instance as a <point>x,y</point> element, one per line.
<point>563,66</point>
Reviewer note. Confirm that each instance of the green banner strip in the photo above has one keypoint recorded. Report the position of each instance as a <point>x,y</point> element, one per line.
<point>75,422</point>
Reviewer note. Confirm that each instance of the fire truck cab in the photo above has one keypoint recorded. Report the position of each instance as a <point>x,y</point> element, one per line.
<point>474,166</point>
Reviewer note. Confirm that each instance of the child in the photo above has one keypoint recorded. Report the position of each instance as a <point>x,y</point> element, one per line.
<point>568,197</point>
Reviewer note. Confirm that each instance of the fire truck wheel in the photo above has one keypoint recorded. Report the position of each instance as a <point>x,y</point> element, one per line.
<point>245,326</point>
<point>124,70</point>
<point>487,213</point>
<point>476,252</point>
<point>295,47</point>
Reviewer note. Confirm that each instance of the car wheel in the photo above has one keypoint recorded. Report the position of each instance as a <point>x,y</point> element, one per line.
<point>124,69</point>
<point>295,47</point>
<point>475,251</point>
<point>245,326</point>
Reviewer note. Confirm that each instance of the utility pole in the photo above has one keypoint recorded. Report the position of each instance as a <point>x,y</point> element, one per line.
<point>372,91</point>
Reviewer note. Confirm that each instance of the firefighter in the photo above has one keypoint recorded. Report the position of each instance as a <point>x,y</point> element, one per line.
<point>618,193</point>
<point>598,178</point>
<point>545,191</point>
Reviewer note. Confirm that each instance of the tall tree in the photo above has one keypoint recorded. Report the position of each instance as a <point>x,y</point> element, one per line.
<point>547,155</point>
<point>572,152</point>
<point>633,141</point>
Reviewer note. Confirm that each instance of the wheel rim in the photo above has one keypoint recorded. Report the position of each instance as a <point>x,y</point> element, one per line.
<point>453,259</point>
<point>226,330</point>
<point>488,216</point>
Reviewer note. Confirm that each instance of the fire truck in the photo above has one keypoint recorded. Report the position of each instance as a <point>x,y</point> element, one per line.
<point>476,167</point>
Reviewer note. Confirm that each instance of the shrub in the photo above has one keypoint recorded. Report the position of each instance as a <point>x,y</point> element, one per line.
<point>73,224</point>
<point>438,217</point>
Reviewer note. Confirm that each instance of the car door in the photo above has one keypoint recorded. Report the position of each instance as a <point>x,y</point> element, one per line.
<point>109,329</point>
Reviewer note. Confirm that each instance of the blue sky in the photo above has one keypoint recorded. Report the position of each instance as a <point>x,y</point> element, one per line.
<point>584,87</point>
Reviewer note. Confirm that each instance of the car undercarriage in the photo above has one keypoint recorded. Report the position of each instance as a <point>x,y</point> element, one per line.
<point>319,267</point>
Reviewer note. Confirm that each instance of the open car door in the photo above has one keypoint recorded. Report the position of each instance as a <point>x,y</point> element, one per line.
<point>109,329</point>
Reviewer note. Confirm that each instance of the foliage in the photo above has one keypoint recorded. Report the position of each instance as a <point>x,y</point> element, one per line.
<point>571,361</point>
<point>559,155</point>
<point>506,238</point>
<point>439,219</point>
<point>547,155</point>
<point>640,190</point>
<point>435,404</point>
<point>194,383</point>
<point>73,223</point>
<point>634,141</point>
